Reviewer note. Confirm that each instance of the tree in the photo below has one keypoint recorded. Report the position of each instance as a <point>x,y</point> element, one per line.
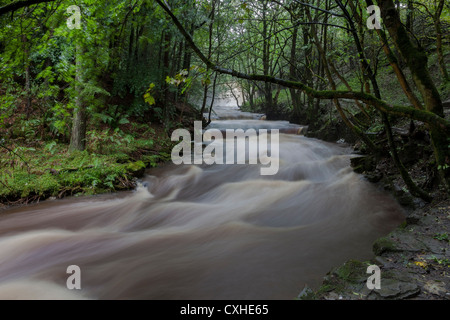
<point>416,60</point>
<point>79,123</point>
<point>16,5</point>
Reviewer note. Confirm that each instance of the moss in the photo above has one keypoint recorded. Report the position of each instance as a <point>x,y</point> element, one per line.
<point>44,172</point>
<point>136,169</point>
<point>122,157</point>
<point>352,271</point>
<point>330,284</point>
<point>403,225</point>
<point>351,276</point>
<point>326,288</point>
<point>384,245</point>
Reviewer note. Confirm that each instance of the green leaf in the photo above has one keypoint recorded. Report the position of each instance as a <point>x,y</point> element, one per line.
<point>124,121</point>
<point>149,99</point>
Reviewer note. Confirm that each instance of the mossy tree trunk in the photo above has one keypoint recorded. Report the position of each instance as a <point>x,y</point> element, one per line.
<point>398,71</point>
<point>293,70</point>
<point>440,54</point>
<point>266,60</point>
<point>322,53</point>
<point>367,69</point>
<point>206,83</point>
<point>79,124</point>
<point>416,60</point>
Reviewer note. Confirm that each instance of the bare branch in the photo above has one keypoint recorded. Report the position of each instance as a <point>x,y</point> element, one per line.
<point>16,5</point>
<point>319,9</point>
<point>409,112</point>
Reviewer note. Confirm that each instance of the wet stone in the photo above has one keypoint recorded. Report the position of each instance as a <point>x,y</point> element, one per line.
<point>394,289</point>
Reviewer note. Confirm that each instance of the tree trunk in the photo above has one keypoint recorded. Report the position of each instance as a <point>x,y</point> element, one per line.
<point>187,51</point>
<point>409,17</point>
<point>336,102</point>
<point>206,83</point>
<point>266,62</point>
<point>166,70</point>
<point>26,61</point>
<point>416,60</point>
<point>27,80</point>
<point>437,25</point>
<point>293,73</point>
<point>78,137</point>
<point>398,72</point>
<point>366,68</point>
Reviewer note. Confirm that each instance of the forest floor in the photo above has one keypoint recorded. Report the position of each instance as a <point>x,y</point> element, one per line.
<point>33,170</point>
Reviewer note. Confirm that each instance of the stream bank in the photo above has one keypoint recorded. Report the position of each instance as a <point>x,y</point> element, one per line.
<point>414,259</point>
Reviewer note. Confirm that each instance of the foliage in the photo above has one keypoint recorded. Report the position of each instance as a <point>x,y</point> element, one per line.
<point>129,66</point>
<point>442,236</point>
<point>148,98</point>
<point>49,170</point>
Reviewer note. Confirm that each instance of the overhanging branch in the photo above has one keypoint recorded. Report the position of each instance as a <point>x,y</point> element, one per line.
<point>16,5</point>
<point>409,112</point>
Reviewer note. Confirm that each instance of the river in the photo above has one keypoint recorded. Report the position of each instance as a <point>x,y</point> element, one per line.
<point>202,231</point>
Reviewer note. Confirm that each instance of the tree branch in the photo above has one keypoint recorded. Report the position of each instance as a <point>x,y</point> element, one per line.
<point>319,9</point>
<point>16,5</point>
<point>409,112</point>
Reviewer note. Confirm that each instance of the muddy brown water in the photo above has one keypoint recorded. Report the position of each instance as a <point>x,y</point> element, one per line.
<point>201,232</point>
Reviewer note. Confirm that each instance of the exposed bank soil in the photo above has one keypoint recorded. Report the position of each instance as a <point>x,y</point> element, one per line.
<point>414,259</point>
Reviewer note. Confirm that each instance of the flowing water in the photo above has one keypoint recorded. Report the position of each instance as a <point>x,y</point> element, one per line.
<point>202,232</point>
